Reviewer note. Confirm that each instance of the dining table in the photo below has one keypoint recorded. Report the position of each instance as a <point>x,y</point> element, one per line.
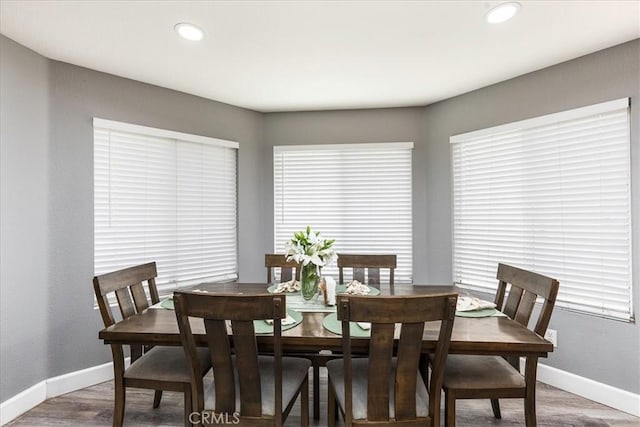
<point>495,335</point>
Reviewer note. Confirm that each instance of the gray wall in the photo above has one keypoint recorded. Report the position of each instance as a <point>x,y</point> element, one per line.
<point>604,350</point>
<point>47,201</point>
<point>24,217</point>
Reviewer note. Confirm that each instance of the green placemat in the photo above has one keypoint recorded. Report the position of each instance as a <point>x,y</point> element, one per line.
<point>262,327</point>
<point>486,312</point>
<point>332,324</point>
<point>167,303</point>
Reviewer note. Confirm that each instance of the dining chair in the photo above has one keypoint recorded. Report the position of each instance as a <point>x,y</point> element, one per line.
<point>154,368</point>
<point>288,269</point>
<point>383,389</point>
<point>247,388</point>
<point>366,268</point>
<point>495,377</point>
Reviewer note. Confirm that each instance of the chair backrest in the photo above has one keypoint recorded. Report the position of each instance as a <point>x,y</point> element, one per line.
<point>371,263</point>
<point>288,269</point>
<point>127,284</point>
<point>241,310</point>
<point>384,313</point>
<point>526,287</point>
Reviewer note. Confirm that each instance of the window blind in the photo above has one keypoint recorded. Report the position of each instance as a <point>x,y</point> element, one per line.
<point>358,194</point>
<point>550,194</point>
<point>167,197</point>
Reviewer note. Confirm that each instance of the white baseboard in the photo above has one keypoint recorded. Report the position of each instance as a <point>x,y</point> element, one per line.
<point>73,381</point>
<point>619,399</point>
<point>17,405</point>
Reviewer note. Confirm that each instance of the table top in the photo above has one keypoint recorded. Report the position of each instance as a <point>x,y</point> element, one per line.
<point>487,335</point>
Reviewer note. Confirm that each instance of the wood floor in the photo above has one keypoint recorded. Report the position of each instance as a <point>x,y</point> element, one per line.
<point>92,406</point>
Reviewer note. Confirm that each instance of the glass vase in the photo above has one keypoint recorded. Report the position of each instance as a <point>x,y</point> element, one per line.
<point>309,281</point>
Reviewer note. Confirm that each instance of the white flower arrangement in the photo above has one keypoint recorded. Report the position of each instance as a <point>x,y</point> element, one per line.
<point>307,247</point>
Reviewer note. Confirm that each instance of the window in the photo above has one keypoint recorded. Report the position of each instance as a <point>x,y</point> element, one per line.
<point>357,194</point>
<point>167,197</point>
<point>550,194</point>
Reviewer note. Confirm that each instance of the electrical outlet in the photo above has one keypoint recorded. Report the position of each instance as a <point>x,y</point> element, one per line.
<point>552,337</point>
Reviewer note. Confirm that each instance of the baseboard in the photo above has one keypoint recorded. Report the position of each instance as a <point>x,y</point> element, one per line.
<point>619,399</point>
<point>72,381</point>
<point>17,405</point>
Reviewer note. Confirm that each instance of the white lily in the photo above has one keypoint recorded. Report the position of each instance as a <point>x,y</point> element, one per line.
<point>308,247</point>
<point>315,258</point>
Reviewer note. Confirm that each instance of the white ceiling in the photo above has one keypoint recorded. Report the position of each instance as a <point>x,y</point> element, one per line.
<point>318,55</point>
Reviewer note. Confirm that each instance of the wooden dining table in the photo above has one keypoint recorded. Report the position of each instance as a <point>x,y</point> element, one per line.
<point>497,335</point>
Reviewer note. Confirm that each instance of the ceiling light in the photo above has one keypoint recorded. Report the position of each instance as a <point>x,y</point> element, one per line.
<point>502,12</point>
<point>189,31</point>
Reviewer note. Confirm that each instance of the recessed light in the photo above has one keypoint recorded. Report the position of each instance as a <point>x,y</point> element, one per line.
<point>502,12</point>
<point>189,31</point>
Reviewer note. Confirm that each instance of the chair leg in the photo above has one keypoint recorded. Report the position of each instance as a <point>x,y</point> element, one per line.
<point>156,398</point>
<point>449,409</point>
<point>304,403</point>
<point>331,406</point>
<point>316,390</point>
<point>530,370</point>
<point>187,406</point>
<point>530,409</point>
<point>530,412</point>
<point>119,401</point>
<point>495,406</point>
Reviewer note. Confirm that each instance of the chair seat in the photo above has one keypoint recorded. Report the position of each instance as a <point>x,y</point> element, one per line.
<point>481,373</point>
<point>360,373</point>
<point>166,364</point>
<point>294,371</point>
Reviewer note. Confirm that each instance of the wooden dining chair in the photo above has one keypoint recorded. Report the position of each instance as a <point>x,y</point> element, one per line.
<point>384,389</point>
<point>288,269</point>
<point>494,377</point>
<point>366,268</point>
<point>157,368</point>
<point>248,388</point>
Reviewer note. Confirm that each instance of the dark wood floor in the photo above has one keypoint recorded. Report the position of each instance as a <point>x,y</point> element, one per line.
<point>92,406</point>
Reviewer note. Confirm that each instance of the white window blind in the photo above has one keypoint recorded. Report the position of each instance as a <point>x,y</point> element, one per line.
<point>167,197</point>
<point>550,194</point>
<point>357,194</point>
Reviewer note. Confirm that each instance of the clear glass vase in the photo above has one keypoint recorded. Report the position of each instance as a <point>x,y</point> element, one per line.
<point>309,281</point>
